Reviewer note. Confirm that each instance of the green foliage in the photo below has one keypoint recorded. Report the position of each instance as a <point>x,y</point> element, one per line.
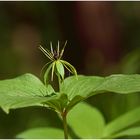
<point>124,121</point>
<point>56,65</point>
<point>58,103</point>
<point>86,116</point>
<point>46,74</point>
<point>86,121</point>
<point>60,69</point>
<point>87,86</point>
<point>69,67</point>
<point>134,131</point>
<point>42,133</point>
<point>28,90</point>
<point>23,91</point>
<point>81,87</point>
<point>130,62</point>
<point>89,117</point>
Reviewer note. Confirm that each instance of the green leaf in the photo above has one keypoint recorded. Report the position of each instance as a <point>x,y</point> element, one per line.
<point>82,87</point>
<point>42,133</point>
<point>134,131</point>
<point>58,103</point>
<point>87,86</point>
<point>74,102</point>
<point>122,122</point>
<point>60,68</point>
<point>52,73</point>
<point>86,121</point>
<point>49,90</point>
<point>46,74</point>
<point>119,83</point>
<point>69,67</point>
<point>130,62</point>
<point>23,91</point>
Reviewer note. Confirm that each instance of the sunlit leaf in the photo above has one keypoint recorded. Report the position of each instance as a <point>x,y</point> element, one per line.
<point>87,86</point>
<point>23,91</point>
<point>82,87</point>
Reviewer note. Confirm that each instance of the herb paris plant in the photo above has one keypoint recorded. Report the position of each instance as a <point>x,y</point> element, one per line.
<point>56,63</point>
<point>27,90</point>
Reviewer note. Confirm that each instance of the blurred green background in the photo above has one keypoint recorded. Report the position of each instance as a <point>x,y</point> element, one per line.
<point>103,39</point>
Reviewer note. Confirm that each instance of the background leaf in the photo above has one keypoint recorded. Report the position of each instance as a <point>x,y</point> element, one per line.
<point>42,133</point>
<point>122,123</point>
<point>86,121</point>
<point>134,131</point>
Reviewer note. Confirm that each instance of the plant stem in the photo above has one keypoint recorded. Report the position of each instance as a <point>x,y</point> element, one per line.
<point>64,117</point>
<point>63,114</point>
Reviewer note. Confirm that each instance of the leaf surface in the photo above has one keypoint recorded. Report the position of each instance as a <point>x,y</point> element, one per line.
<point>86,121</point>
<point>82,87</point>
<point>122,122</point>
<point>87,86</point>
<point>42,133</point>
<point>23,91</point>
<point>134,131</point>
<point>60,68</point>
<point>58,103</point>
